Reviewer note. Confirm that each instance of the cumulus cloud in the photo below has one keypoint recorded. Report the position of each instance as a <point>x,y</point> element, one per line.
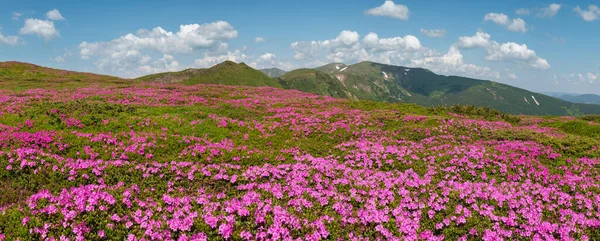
<point>189,38</point>
<point>434,33</point>
<point>550,11</point>
<point>259,39</point>
<point>479,40</point>
<point>591,14</point>
<point>268,57</point>
<point>515,25</point>
<point>347,41</point>
<point>390,9</point>
<point>136,53</point>
<point>452,62</point>
<point>373,43</point>
<point>41,28</point>
<point>54,15</point>
<point>509,51</point>
<point>520,52</point>
<point>523,11</point>
<point>8,40</point>
<point>165,64</point>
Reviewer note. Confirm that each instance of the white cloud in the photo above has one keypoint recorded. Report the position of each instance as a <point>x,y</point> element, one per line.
<point>509,51</point>
<point>189,38</point>
<point>515,25</point>
<point>41,28</point>
<point>479,40</point>
<point>268,57</point>
<point>519,52</point>
<point>54,15</point>
<point>550,11</point>
<point>347,41</point>
<point>9,40</point>
<point>407,43</point>
<point>165,64</point>
<point>523,11</point>
<point>434,33</point>
<point>132,54</point>
<point>452,63</point>
<point>498,18</point>
<point>259,39</point>
<point>390,9</point>
<point>518,25</point>
<point>591,14</point>
<point>16,15</point>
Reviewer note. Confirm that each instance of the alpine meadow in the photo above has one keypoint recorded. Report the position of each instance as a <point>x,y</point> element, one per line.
<point>247,120</point>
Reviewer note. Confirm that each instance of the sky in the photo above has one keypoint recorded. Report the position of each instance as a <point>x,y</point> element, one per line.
<point>544,46</point>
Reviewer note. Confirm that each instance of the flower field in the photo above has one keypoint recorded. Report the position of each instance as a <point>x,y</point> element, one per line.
<point>208,162</point>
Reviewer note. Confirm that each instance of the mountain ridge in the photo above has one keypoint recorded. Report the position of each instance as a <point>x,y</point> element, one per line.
<point>361,81</point>
<point>273,72</point>
<point>577,98</point>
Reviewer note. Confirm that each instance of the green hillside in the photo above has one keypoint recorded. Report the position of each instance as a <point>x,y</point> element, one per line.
<point>18,75</point>
<point>380,82</point>
<point>273,72</point>
<point>314,81</point>
<point>226,73</point>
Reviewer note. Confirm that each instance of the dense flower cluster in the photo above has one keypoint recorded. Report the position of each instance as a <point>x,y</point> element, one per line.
<point>215,162</point>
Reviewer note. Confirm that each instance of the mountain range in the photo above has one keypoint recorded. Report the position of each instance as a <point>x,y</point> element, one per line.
<point>576,98</point>
<point>361,81</point>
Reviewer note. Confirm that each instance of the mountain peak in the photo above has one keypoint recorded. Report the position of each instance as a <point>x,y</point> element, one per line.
<point>226,63</point>
<point>225,73</point>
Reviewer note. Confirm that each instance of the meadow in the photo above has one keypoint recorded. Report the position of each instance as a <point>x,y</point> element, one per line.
<point>211,162</point>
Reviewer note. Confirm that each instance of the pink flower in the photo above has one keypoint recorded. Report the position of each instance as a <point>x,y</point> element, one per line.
<point>24,221</point>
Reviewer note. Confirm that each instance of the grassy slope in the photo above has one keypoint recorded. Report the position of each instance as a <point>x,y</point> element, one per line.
<point>314,81</point>
<point>19,76</point>
<point>226,73</point>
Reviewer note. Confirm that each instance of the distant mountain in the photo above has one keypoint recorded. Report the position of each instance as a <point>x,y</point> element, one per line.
<point>577,98</point>
<point>18,72</point>
<point>226,73</point>
<point>380,82</point>
<point>273,72</point>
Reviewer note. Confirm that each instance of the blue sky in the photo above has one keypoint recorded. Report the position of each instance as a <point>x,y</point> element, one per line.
<point>537,45</point>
